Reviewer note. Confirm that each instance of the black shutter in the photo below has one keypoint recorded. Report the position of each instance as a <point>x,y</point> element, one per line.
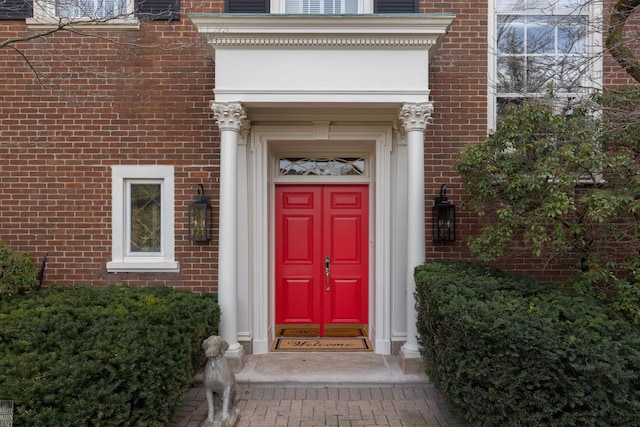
<point>16,9</point>
<point>158,10</point>
<point>395,6</point>
<point>246,6</point>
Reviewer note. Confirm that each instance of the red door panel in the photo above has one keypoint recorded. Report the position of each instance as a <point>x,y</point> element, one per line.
<point>345,237</point>
<point>298,223</point>
<point>313,223</point>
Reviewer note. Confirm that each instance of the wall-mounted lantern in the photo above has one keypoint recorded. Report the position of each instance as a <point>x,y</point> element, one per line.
<point>200,218</point>
<point>444,218</point>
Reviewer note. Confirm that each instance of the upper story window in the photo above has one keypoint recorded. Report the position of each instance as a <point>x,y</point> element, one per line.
<point>322,6</point>
<point>99,14</point>
<point>92,8</point>
<point>542,46</point>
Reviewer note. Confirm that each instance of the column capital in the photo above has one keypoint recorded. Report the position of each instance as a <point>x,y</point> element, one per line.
<point>229,115</point>
<point>416,116</point>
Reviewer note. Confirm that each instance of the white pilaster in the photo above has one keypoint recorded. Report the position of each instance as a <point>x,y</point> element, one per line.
<point>414,118</point>
<point>230,117</point>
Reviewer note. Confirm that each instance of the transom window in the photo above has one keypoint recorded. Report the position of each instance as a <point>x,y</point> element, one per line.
<point>316,166</point>
<point>321,6</point>
<point>541,46</point>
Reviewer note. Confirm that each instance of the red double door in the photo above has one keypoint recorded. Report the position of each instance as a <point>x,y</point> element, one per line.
<point>322,256</point>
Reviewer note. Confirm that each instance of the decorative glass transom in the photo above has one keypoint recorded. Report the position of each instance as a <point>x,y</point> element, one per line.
<point>322,166</point>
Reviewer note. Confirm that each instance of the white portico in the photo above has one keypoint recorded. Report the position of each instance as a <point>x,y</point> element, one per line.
<point>321,87</point>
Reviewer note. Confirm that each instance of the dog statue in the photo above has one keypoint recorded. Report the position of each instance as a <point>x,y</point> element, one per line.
<point>219,380</point>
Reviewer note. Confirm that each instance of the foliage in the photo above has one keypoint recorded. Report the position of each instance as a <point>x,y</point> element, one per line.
<point>18,275</point>
<point>563,185</point>
<point>510,351</point>
<point>112,356</point>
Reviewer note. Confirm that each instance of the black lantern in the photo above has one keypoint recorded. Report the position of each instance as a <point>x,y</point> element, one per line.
<point>444,218</point>
<point>200,218</point>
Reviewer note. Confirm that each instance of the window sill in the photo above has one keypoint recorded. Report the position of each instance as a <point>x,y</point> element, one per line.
<point>83,23</point>
<point>143,267</point>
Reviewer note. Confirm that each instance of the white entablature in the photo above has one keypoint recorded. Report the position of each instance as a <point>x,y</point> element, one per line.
<point>322,59</point>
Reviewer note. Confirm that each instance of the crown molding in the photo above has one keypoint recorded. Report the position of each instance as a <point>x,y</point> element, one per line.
<point>227,30</point>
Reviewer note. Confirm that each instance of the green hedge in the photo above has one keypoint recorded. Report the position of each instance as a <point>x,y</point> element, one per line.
<point>509,351</point>
<point>101,356</point>
<point>18,275</point>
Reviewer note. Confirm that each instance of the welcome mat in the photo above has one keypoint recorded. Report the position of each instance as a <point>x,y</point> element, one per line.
<point>322,344</point>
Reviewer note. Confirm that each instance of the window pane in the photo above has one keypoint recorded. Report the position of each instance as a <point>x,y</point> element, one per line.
<point>90,8</point>
<point>573,75</point>
<point>572,35</point>
<point>540,35</point>
<point>540,73</point>
<point>565,6</point>
<point>146,218</point>
<point>321,6</point>
<point>510,5</point>
<point>510,34</point>
<point>340,166</point>
<point>511,74</point>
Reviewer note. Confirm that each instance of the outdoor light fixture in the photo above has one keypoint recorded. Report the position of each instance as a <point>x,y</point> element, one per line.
<point>200,218</point>
<point>444,217</point>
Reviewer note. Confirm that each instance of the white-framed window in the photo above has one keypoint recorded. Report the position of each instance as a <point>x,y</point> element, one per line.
<point>143,236</point>
<point>541,46</point>
<point>111,13</point>
<point>326,7</point>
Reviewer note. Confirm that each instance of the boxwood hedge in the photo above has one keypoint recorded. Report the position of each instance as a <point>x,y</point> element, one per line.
<point>509,351</point>
<point>101,356</point>
<point>18,275</point>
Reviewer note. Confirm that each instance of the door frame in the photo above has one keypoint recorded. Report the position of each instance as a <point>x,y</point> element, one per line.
<point>269,141</point>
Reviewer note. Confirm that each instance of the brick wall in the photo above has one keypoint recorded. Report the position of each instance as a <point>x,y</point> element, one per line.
<point>82,104</point>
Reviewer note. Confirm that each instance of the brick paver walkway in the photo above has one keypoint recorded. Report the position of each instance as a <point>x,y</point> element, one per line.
<point>267,406</point>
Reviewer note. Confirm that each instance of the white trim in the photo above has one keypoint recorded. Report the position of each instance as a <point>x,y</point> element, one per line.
<point>256,30</point>
<point>267,141</point>
<point>164,262</point>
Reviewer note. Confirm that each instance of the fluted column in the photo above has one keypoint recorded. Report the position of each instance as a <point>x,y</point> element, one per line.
<point>414,118</point>
<point>230,117</point>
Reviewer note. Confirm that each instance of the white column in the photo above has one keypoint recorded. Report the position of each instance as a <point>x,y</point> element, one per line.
<point>414,118</point>
<point>230,117</point>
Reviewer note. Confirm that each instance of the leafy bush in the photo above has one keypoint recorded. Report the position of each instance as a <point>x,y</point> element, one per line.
<point>564,186</point>
<point>89,356</point>
<point>17,273</point>
<point>510,351</point>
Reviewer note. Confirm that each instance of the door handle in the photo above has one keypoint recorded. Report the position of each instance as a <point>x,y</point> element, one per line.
<point>327,273</point>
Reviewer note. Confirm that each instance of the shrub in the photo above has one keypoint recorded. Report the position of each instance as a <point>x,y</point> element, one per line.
<point>88,356</point>
<point>18,275</point>
<point>509,351</point>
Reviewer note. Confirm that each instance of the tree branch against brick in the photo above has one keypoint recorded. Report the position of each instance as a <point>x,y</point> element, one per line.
<point>621,14</point>
<point>81,22</point>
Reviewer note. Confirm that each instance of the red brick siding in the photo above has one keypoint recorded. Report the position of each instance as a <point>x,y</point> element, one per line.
<point>99,104</point>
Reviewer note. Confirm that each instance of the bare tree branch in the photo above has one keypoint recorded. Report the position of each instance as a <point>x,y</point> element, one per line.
<point>621,53</point>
